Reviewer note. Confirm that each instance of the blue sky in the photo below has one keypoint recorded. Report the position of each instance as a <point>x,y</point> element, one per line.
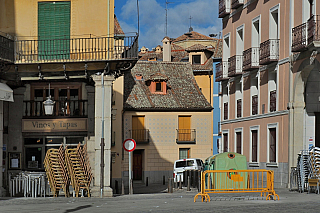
<point>204,20</point>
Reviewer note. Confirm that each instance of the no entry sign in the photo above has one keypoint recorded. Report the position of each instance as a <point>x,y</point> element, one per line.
<point>129,145</point>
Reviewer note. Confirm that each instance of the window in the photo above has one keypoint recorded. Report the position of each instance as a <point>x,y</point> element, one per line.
<point>238,142</point>
<point>184,153</point>
<point>196,59</point>
<point>272,145</point>
<point>158,87</point>
<point>225,111</point>
<point>254,105</point>
<point>272,88</point>
<point>254,145</point>
<point>138,131</point>
<point>254,93</point>
<point>225,142</point>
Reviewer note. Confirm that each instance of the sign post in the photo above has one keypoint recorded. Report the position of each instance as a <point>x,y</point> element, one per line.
<point>129,145</point>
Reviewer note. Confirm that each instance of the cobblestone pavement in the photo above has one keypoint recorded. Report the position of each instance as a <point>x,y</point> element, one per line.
<point>179,201</point>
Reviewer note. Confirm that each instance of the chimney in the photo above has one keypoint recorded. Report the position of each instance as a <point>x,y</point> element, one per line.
<point>166,49</point>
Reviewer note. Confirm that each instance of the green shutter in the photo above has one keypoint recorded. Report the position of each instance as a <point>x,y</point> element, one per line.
<point>54,30</point>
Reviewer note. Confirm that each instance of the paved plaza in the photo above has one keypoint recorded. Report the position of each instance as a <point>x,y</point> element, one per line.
<point>160,201</point>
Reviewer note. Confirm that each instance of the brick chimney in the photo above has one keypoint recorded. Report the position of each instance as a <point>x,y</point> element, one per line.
<point>166,49</point>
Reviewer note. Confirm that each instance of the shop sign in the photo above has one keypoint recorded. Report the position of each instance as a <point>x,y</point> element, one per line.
<point>54,125</point>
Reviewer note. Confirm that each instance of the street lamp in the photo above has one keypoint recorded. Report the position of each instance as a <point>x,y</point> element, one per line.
<point>48,104</point>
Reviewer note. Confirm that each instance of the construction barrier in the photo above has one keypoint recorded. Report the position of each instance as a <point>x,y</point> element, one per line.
<point>237,181</point>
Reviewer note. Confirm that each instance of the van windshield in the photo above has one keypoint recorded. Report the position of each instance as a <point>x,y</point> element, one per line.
<point>184,163</point>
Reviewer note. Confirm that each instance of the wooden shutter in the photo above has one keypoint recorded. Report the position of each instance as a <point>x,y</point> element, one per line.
<point>138,128</point>
<point>54,30</point>
<point>184,128</point>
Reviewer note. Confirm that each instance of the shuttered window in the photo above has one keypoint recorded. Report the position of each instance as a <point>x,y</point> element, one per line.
<point>54,30</point>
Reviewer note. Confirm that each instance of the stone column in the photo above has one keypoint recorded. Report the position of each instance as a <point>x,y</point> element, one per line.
<point>108,80</point>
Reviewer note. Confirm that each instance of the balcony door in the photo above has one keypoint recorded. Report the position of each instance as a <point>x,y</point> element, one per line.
<point>54,30</point>
<point>138,128</point>
<point>184,128</point>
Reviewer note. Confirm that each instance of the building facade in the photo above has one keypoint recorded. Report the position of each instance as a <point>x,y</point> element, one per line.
<point>61,50</point>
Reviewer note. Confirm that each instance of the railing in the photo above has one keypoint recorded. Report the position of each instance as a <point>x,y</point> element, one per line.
<point>67,108</point>
<point>299,38</point>
<point>273,101</point>
<point>269,51</point>
<point>186,136</point>
<point>235,65</point>
<point>222,71</point>
<point>236,3</point>
<point>239,106</point>
<point>251,59</point>
<point>313,29</point>
<point>254,105</point>
<point>224,8</point>
<point>76,49</point>
<point>141,136</point>
<point>6,49</point>
<point>237,181</point>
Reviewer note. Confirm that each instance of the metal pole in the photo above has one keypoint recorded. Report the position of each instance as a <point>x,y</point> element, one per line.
<point>102,139</point>
<point>130,178</point>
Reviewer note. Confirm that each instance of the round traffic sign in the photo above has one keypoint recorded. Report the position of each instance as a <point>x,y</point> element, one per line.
<point>129,145</point>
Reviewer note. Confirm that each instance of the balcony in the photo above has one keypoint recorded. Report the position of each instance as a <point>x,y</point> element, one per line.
<point>269,51</point>
<point>236,3</point>
<point>251,59</point>
<point>299,38</point>
<point>186,136</point>
<point>141,136</point>
<point>224,8</point>
<point>222,71</point>
<point>235,65</point>
<point>76,49</point>
<point>6,49</point>
<point>67,108</point>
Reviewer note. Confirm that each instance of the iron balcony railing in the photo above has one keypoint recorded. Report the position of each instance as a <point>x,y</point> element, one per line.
<point>186,136</point>
<point>235,65</point>
<point>6,48</point>
<point>314,29</point>
<point>269,51</point>
<point>66,108</point>
<point>251,59</point>
<point>141,136</point>
<point>236,3</point>
<point>224,8</point>
<point>299,38</point>
<point>222,71</point>
<point>76,49</point>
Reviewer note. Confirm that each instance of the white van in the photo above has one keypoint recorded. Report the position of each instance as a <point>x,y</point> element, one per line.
<point>185,164</point>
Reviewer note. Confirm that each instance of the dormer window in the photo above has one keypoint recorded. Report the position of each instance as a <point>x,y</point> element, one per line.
<point>196,59</point>
<point>157,87</point>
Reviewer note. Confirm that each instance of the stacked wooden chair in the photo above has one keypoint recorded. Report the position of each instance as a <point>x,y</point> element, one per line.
<point>303,170</point>
<point>76,170</point>
<point>84,158</point>
<point>56,171</point>
<point>314,169</point>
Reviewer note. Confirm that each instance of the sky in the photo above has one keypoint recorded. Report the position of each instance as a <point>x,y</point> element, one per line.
<point>152,16</point>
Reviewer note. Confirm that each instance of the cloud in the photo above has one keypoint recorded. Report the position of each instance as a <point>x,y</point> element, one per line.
<point>204,20</point>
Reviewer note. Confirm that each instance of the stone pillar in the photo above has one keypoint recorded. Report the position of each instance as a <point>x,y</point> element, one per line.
<point>108,80</point>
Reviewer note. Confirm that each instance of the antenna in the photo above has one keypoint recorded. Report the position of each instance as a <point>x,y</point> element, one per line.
<point>190,28</point>
<point>167,15</point>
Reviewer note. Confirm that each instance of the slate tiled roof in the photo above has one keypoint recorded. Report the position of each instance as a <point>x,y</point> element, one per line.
<point>218,50</point>
<point>183,92</point>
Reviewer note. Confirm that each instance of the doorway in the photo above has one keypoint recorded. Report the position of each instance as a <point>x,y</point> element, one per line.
<point>137,164</point>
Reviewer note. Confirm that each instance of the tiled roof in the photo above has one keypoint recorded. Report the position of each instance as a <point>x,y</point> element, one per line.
<point>199,47</point>
<point>193,36</point>
<point>218,49</point>
<point>117,28</point>
<point>183,92</point>
<point>208,65</point>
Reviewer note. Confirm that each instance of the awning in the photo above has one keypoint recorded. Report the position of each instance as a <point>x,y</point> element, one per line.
<point>6,93</point>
